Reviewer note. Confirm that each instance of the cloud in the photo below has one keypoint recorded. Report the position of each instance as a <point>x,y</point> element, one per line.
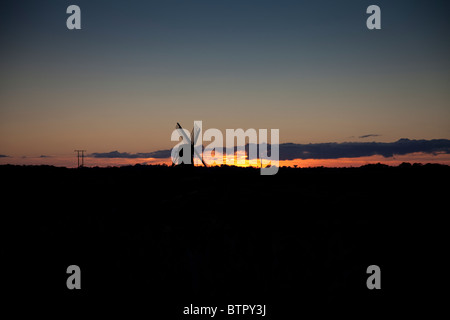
<point>333,150</point>
<point>329,150</point>
<point>160,154</point>
<point>3,156</point>
<point>369,135</point>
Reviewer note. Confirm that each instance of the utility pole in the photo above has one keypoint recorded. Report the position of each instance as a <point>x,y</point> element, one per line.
<point>82,157</point>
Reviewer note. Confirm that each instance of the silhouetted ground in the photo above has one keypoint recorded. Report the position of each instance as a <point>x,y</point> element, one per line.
<point>166,237</point>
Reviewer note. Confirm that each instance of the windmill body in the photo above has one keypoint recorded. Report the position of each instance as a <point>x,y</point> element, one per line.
<point>191,141</point>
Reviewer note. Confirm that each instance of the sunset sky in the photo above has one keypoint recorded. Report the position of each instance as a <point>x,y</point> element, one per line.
<point>310,68</point>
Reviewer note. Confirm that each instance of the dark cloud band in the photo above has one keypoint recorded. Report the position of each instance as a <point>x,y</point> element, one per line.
<point>291,151</point>
<point>160,154</point>
<point>330,150</point>
<point>369,136</point>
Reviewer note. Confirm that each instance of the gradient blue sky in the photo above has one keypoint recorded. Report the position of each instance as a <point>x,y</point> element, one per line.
<point>309,68</point>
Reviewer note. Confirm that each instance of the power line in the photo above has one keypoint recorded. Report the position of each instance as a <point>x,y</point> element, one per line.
<point>82,157</point>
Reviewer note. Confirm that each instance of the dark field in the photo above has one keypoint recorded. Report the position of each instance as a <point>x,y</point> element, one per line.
<point>162,238</point>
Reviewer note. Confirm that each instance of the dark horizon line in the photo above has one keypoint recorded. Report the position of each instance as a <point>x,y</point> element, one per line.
<point>404,164</point>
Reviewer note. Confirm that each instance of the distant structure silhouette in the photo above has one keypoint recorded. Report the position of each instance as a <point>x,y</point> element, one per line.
<point>192,141</point>
<point>82,157</point>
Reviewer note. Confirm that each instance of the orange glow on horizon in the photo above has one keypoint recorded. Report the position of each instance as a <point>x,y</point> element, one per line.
<point>239,160</point>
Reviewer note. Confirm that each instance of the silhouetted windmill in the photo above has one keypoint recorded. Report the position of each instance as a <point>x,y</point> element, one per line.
<point>191,141</point>
<point>82,157</point>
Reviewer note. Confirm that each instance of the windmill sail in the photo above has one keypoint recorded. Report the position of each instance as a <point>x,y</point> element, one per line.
<point>195,133</point>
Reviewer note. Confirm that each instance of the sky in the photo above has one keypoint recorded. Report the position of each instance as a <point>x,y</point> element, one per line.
<point>309,68</point>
